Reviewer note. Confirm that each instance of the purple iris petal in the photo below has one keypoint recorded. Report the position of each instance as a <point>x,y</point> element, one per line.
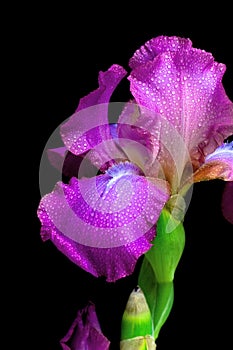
<point>184,85</point>
<point>85,332</point>
<point>104,224</point>
<point>156,46</point>
<point>108,81</point>
<point>218,165</point>
<point>227,202</point>
<point>88,126</point>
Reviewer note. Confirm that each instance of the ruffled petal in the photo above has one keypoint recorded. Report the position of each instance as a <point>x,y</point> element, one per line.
<point>88,126</point>
<point>227,202</point>
<point>156,46</point>
<point>218,165</point>
<point>104,224</point>
<point>184,85</point>
<point>85,332</point>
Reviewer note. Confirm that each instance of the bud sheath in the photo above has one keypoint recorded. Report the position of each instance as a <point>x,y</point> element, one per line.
<point>138,343</point>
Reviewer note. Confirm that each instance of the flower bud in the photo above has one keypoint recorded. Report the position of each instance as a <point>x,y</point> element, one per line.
<point>136,320</point>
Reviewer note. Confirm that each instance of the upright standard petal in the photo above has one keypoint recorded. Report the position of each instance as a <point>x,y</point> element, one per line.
<point>104,224</point>
<point>85,332</point>
<point>218,165</point>
<point>184,85</point>
<point>89,125</point>
<point>156,46</point>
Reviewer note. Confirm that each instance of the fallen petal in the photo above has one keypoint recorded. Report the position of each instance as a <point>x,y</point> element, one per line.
<point>85,332</point>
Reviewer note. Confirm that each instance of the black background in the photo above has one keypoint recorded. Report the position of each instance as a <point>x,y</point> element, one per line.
<point>66,50</point>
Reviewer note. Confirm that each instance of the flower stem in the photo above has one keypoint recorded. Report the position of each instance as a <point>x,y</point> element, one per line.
<point>158,268</point>
<point>165,297</point>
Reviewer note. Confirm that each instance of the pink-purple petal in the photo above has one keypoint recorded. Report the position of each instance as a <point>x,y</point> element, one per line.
<point>113,263</point>
<point>184,85</point>
<point>155,46</point>
<point>104,224</point>
<point>218,165</point>
<point>108,81</point>
<point>85,332</point>
<point>88,126</point>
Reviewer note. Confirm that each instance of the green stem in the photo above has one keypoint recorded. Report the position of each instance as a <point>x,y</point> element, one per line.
<point>159,296</point>
<point>158,268</point>
<point>165,297</point>
<point>146,313</point>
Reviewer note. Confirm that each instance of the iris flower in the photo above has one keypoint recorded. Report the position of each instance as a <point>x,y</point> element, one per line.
<point>169,135</point>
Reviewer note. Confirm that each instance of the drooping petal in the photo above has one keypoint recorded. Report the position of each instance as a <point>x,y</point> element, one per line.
<point>88,126</point>
<point>184,85</point>
<point>85,332</point>
<point>227,202</point>
<point>104,224</point>
<point>218,165</point>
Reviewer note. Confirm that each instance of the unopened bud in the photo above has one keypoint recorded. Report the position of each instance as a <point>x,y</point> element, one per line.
<point>137,320</point>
